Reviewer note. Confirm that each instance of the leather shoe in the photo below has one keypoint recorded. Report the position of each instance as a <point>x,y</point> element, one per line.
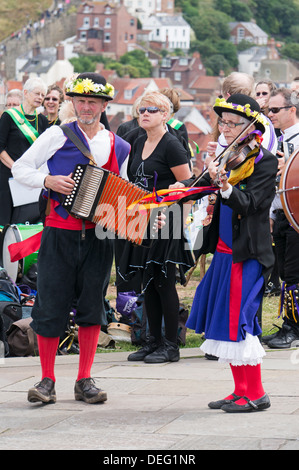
<point>252,405</point>
<point>271,289</point>
<point>166,352</point>
<point>217,405</point>
<point>286,337</point>
<point>149,347</point>
<point>265,339</point>
<point>43,391</point>
<point>86,390</point>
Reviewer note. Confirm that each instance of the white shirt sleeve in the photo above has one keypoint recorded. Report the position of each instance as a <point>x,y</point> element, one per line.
<point>226,194</point>
<point>31,168</point>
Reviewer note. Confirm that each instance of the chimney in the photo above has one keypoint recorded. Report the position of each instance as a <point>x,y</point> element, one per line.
<point>60,51</point>
<point>36,50</point>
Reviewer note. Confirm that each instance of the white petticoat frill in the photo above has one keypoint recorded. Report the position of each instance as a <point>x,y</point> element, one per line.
<point>247,352</point>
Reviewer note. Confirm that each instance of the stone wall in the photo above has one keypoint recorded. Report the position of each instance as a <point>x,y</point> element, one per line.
<point>54,30</point>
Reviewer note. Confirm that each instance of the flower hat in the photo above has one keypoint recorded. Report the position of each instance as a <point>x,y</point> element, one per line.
<point>242,105</point>
<point>89,84</point>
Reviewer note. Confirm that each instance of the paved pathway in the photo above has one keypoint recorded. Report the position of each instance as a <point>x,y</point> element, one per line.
<point>160,407</point>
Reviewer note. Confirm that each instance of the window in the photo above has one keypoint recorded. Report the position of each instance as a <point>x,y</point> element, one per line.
<point>107,37</point>
<point>177,76</point>
<point>107,23</point>
<point>86,22</point>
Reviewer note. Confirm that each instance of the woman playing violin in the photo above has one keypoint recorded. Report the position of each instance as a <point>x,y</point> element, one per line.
<point>228,298</point>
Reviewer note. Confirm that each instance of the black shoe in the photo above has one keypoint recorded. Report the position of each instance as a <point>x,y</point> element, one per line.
<point>166,352</point>
<point>271,289</point>
<point>43,391</point>
<point>86,390</point>
<point>251,405</point>
<point>210,357</point>
<point>217,405</point>
<point>287,337</point>
<point>139,355</point>
<point>265,339</point>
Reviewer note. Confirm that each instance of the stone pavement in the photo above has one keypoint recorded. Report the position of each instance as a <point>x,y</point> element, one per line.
<point>161,407</point>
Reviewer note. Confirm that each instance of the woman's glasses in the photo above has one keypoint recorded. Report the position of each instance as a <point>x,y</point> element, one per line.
<point>276,110</point>
<point>150,109</point>
<point>48,98</point>
<point>262,93</point>
<point>229,124</point>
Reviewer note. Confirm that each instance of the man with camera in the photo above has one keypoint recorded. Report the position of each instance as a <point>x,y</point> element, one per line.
<point>284,114</point>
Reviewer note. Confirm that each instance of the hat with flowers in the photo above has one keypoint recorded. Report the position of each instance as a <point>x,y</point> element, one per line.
<point>242,105</point>
<point>89,84</point>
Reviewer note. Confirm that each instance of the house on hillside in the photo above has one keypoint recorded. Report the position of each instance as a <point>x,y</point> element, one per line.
<point>47,63</point>
<point>168,32</point>
<point>247,31</point>
<point>142,9</point>
<point>127,90</point>
<point>104,28</point>
<point>205,89</point>
<point>182,70</point>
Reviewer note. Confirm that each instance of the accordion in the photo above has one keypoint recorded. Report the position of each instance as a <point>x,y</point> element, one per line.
<point>103,198</point>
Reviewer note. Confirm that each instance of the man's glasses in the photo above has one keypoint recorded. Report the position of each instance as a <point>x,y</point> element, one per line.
<point>276,110</point>
<point>48,98</point>
<point>150,109</point>
<point>262,93</point>
<point>230,124</point>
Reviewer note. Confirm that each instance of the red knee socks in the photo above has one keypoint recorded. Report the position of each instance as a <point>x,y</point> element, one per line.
<point>88,341</point>
<point>239,381</point>
<point>248,382</point>
<point>47,348</point>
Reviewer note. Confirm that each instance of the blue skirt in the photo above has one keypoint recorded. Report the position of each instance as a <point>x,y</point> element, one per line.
<point>227,299</point>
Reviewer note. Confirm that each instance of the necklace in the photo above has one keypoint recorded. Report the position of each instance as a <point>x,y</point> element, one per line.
<point>31,120</point>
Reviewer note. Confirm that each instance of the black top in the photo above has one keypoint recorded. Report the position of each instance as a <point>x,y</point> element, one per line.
<point>13,140</point>
<point>168,154</point>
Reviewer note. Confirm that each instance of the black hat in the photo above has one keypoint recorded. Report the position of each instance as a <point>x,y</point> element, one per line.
<point>244,106</point>
<point>89,84</point>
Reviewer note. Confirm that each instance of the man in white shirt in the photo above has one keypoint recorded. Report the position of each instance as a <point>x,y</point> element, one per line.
<point>284,114</point>
<point>73,263</point>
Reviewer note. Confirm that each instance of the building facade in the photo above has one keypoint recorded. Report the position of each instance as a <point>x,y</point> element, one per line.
<point>104,28</point>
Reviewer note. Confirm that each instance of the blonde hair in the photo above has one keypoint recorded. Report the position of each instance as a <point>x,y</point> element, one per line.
<point>156,98</point>
<point>238,82</point>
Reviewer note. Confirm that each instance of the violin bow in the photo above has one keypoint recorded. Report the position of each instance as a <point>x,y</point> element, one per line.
<point>221,155</point>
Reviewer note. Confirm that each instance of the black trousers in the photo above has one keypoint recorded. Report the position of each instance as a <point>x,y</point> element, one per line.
<point>71,269</point>
<point>286,241</point>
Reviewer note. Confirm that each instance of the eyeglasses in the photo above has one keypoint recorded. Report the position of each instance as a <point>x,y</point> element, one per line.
<point>230,124</point>
<point>48,98</point>
<point>263,93</point>
<point>150,109</point>
<point>276,110</point>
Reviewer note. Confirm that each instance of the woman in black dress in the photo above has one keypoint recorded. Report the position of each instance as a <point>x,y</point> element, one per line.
<point>19,127</point>
<point>158,161</point>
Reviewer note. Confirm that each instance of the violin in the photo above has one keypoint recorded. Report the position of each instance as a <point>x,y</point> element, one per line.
<point>233,155</point>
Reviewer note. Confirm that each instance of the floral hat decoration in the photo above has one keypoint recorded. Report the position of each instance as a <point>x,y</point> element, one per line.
<point>242,105</point>
<point>89,84</point>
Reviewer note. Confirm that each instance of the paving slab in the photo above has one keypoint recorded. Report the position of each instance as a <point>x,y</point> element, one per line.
<point>151,408</point>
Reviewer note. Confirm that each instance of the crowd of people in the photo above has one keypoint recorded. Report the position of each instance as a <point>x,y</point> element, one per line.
<point>46,132</point>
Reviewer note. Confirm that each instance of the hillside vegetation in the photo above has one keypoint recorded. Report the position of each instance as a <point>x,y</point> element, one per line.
<point>209,20</point>
<point>16,14</point>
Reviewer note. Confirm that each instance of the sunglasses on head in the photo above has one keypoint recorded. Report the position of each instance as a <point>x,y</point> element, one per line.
<point>50,98</point>
<point>263,93</point>
<point>149,109</point>
<point>276,110</point>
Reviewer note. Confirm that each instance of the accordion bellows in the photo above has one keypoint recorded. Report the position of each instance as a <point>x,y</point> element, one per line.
<point>103,198</point>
